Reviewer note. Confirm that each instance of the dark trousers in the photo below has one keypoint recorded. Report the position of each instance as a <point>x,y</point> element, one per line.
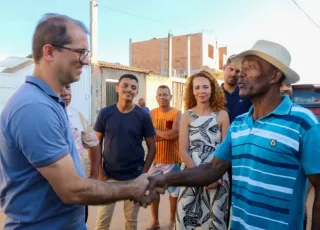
<point>86,213</point>
<point>305,222</point>
<point>230,192</point>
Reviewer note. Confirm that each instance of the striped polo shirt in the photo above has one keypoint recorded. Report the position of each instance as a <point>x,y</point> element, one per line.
<point>167,150</point>
<point>270,160</point>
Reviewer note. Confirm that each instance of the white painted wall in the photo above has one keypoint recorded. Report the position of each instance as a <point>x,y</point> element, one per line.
<point>211,63</point>
<point>9,84</point>
<point>81,91</point>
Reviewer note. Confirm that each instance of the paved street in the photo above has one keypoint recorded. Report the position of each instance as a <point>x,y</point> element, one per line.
<point>145,216</point>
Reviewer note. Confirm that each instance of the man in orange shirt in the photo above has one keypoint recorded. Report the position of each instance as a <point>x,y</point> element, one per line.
<point>166,122</point>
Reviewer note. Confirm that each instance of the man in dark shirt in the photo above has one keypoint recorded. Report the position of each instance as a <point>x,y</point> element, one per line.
<point>286,89</point>
<point>123,127</point>
<point>236,105</point>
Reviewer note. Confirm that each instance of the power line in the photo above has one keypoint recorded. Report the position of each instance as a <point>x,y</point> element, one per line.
<point>294,2</point>
<point>152,19</point>
<point>140,16</point>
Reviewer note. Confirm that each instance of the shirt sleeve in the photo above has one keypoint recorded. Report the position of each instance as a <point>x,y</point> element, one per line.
<point>39,134</point>
<point>88,136</point>
<point>310,150</point>
<point>99,126</point>
<point>224,150</point>
<point>148,129</point>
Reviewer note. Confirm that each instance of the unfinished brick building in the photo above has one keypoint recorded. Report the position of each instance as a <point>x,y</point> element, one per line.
<point>191,53</point>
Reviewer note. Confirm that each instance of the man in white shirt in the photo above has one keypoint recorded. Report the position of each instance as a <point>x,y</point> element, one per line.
<point>85,139</point>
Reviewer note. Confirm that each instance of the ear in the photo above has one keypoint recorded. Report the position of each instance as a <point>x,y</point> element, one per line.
<point>116,87</point>
<point>48,52</point>
<point>276,77</point>
<point>224,67</point>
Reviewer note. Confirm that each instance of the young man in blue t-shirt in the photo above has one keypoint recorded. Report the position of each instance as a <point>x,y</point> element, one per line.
<point>122,127</point>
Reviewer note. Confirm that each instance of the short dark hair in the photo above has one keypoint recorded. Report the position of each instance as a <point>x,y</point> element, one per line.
<point>283,77</point>
<point>229,59</point>
<point>52,29</point>
<point>129,76</point>
<point>164,87</point>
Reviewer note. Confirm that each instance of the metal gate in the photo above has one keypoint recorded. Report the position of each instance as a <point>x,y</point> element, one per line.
<point>178,87</point>
<point>111,95</point>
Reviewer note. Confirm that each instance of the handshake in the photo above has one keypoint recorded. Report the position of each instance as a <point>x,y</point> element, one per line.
<point>147,188</point>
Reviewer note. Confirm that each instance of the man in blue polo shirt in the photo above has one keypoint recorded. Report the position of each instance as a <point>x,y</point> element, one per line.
<point>42,182</point>
<point>273,149</point>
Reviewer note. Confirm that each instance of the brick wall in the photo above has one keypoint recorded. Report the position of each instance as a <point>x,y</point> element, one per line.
<point>147,54</point>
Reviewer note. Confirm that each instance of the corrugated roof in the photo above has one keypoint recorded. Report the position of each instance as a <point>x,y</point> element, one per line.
<point>123,67</point>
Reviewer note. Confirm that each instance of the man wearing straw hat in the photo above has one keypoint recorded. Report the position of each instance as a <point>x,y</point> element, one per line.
<point>273,149</point>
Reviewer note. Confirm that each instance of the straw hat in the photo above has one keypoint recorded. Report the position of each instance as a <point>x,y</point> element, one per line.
<point>273,53</point>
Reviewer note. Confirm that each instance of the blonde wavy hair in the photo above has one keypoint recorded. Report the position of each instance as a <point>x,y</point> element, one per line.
<point>217,98</point>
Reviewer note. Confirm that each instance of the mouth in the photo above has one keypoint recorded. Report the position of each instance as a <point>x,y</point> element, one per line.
<point>79,70</point>
<point>240,85</point>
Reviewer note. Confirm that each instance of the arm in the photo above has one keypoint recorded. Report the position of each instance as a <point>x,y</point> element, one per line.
<point>151,144</point>
<point>149,135</point>
<point>315,181</point>
<point>184,141</point>
<point>101,175</point>
<point>47,150</point>
<point>158,138</point>
<point>95,158</point>
<point>91,142</point>
<point>99,128</point>
<point>224,123</point>
<point>310,157</point>
<point>174,132</point>
<point>73,189</point>
<point>199,176</point>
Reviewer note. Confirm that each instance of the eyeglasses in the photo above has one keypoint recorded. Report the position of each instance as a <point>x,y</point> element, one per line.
<point>82,52</point>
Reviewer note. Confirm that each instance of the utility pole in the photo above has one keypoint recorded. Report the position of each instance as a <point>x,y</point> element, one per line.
<point>188,56</point>
<point>96,86</point>
<point>169,54</point>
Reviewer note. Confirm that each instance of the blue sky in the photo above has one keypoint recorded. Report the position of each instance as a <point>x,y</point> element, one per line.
<point>235,23</point>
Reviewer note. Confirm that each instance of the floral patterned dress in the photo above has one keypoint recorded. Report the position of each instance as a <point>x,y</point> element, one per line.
<point>199,206</point>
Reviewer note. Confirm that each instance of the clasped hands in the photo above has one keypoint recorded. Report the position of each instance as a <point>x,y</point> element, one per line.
<point>147,188</point>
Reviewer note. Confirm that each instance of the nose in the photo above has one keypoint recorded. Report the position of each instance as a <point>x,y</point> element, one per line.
<point>86,61</point>
<point>242,73</point>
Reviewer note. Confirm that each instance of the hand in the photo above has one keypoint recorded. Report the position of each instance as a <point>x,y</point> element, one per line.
<point>213,185</point>
<point>158,138</point>
<point>139,192</point>
<point>157,182</point>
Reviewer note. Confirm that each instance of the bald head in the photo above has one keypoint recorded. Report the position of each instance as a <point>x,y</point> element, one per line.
<point>53,29</point>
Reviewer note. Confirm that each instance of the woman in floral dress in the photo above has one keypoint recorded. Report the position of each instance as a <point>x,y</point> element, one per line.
<point>203,126</point>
